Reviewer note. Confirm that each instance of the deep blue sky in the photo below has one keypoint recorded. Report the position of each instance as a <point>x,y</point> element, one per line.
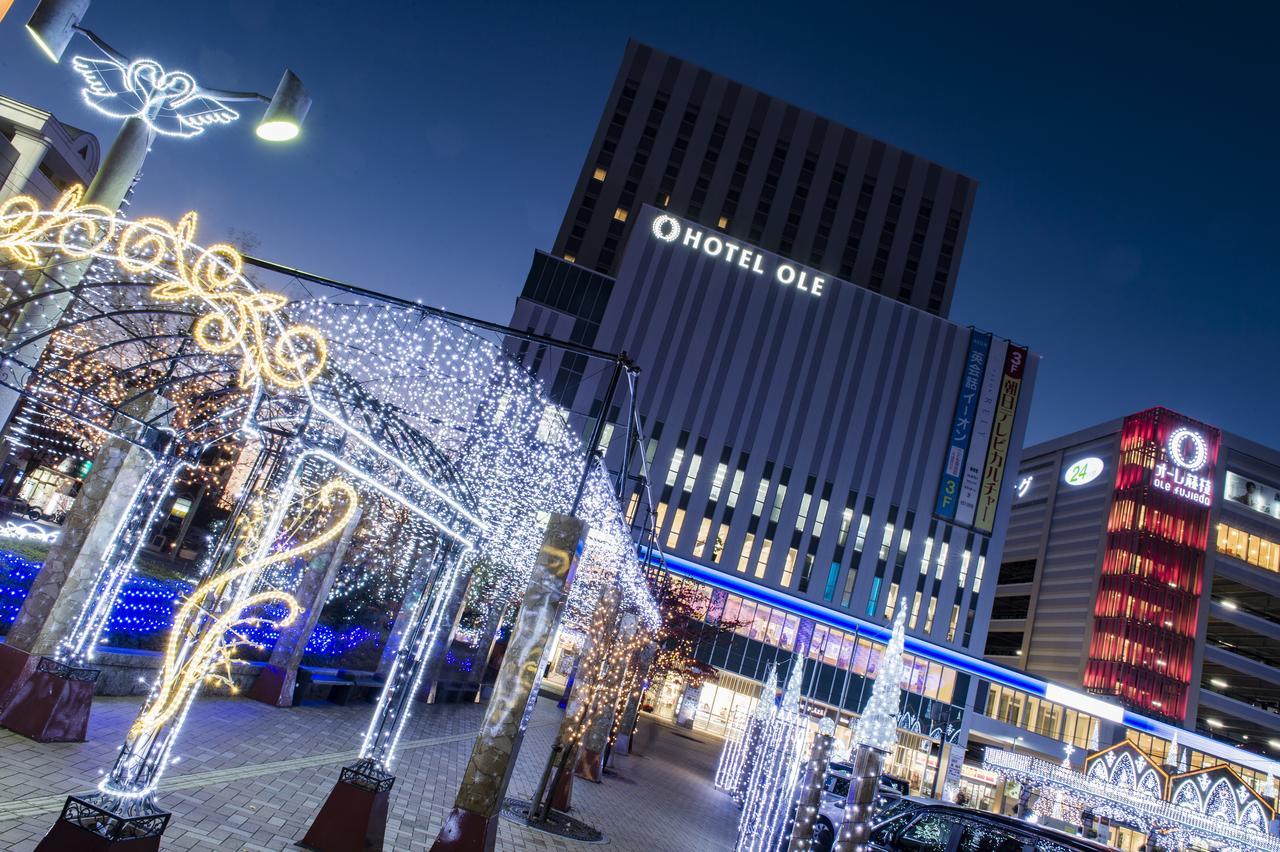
<point>1126,226</point>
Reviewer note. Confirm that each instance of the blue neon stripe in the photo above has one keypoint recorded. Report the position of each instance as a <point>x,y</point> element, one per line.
<point>961,662</point>
<point>880,633</point>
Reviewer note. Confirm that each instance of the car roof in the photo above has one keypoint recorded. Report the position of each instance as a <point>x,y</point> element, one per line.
<point>1008,821</point>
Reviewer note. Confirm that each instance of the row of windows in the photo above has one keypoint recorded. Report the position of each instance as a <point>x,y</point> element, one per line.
<point>842,649</point>
<point>894,582</point>
<point>770,186</point>
<point>1248,547</point>
<point>1158,749</point>
<point>1041,716</point>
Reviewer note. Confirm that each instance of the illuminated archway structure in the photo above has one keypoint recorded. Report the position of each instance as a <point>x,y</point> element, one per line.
<point>168,348</point>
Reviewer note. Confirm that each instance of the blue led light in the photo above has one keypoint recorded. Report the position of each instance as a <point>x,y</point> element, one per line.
<point>145,611</point>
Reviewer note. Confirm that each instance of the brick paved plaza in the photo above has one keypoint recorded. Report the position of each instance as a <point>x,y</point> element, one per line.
<point>251,777</point>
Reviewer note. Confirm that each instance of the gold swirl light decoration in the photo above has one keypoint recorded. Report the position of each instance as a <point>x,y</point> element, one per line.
<point>198,642</point>
<point>240,316</point>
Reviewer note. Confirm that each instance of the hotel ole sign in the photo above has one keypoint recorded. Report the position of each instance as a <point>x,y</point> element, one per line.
<point>670,229</point>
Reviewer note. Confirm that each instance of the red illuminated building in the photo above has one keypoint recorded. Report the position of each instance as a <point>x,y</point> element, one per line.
<point>1147,609</point>
<point>1142,563</point>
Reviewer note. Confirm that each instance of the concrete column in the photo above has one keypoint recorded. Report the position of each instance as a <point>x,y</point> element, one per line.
<point>28,152</point>
<point>564,753</point>
<point>855,826</point>
<point>73,566</point>
<point>108,188</point>
<point>275,684</point>
<point>810,797</point>
<point>473,823</point>
<point>419,580</point>
<point>604,700</point>
<point>644,663</point>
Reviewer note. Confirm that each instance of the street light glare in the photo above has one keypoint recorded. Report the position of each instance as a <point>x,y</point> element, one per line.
<point>277,131</point>
<point>41,44</point>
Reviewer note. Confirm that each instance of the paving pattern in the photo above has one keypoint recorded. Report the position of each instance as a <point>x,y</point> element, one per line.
<point>251,777</point>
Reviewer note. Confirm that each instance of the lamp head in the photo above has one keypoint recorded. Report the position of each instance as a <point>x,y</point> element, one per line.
<point>53,23</point>
<point>288,108</point>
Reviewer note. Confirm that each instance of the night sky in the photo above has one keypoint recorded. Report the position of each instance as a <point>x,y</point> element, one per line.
<point>1126,225</point>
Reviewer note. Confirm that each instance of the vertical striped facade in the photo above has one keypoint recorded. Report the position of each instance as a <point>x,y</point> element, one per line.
<point>796,439</point>
<point>766,172</point>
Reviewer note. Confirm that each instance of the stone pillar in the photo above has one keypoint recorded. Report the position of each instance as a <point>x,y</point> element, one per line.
<point>28,152</point>
<point>590,763</point>
<point>855,826</point>
<point>419,581</point>
<point>803,832</point>
<point>275,684</point>
<point>564,753</point>
<point>472,825</point>
<point>631,713</point>
<point>111,493</point>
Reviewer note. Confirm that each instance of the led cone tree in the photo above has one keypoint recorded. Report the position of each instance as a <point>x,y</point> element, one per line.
<point>874,736</point>
<point>770,791</point>
<point>744,731</point>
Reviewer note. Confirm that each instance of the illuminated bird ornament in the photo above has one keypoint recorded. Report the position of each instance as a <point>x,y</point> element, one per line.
<point>238,316</point>
<point>170,102</point>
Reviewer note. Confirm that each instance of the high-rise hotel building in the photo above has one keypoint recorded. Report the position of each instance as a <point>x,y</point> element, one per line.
<point>764,172</point>
<point>824,449</point>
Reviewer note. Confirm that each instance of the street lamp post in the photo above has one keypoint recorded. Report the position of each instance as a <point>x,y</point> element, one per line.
<point>151,102</point>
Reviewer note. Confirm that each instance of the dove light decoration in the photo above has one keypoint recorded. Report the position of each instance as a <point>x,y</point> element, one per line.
<point>170,102</point>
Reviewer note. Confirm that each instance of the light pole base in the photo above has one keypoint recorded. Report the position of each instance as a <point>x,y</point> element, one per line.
<point>53,704</point>
<point>86,825</point>
<point>354,817</point>
<point>464,831</point>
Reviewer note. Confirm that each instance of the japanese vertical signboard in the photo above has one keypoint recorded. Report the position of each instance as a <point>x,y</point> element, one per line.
<point>1015,363</point>
<point>971,481</point>
<point>962,424</point>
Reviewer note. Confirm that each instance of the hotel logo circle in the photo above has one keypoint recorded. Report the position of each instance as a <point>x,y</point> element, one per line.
<point>1187,449</point>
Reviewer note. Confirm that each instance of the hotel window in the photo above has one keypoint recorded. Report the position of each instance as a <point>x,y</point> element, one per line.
<point>723,223</point>
<point>599,174</point>
<point>704,535</point>
<point>928,619</point>
<point>846,520</point>
<point>977,574</point>
<point>789,568</point>
<point>942,560</point>
<point>572,258</point>
<point>762,491</point>
<point>915,610</point>
<point>631,509</point>
<point>1246,547</point>
<point>743,558</point>
<point>964,567</point>
<point>659,515</point>
<point>779,496</point>
<point>717,481</point>
<point>620,214</point>
<point>928,552</point>
<point>891,601</point>
<point>885,541</point>
<point>833,577</point>
<point>860,540</point>
<point>951,627</point>
<point>735,488</point>
<point>677,459</point>
<point>763,562</point>
<point>695,464</point>
<point>677,521</point>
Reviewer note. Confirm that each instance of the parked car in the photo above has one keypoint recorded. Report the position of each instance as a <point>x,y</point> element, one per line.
<point>941,827</point>
<point>891,794</point>
<point>18,506</point>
